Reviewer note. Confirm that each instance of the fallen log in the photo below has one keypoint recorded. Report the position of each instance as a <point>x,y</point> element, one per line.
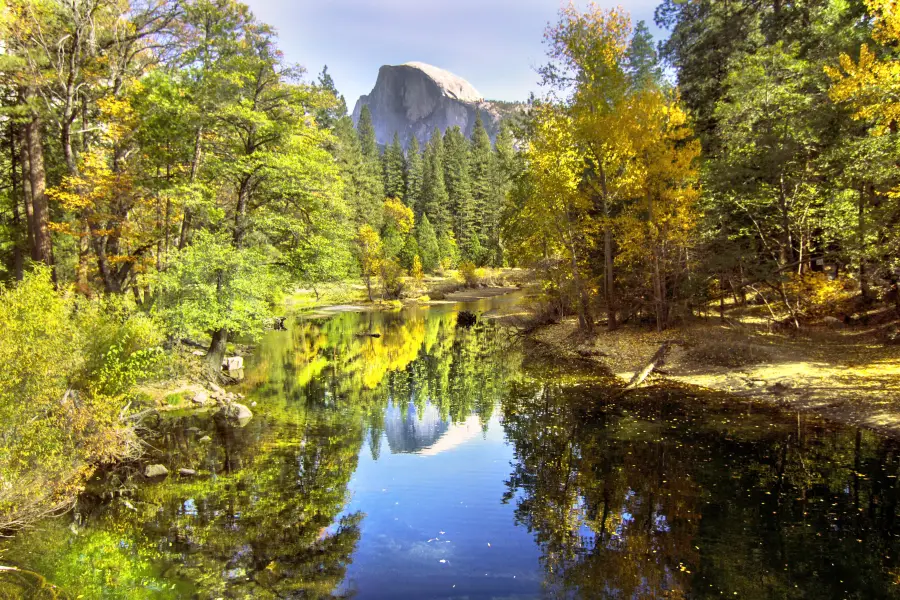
<point>658,360</point>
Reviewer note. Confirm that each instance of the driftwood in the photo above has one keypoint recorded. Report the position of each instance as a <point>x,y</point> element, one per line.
<point>658,360</point>
<point>371,335</point>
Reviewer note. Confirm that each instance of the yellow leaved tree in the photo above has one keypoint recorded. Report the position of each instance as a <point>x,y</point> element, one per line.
<point>872,85</point>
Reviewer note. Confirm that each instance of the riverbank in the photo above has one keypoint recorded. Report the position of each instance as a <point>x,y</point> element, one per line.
<point>847,374</point>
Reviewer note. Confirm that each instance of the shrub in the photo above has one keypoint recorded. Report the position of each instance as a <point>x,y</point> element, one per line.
<point>66,377</point>
<point>391,274</point>
<point>817,295</point>
<point>469,273</point>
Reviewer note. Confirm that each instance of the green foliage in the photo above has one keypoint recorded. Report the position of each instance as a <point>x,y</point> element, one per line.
<point>394,168</point>
<point>211,285</point>
<point>468,271</point>
<point>67,376</point>
<point>429,250</point>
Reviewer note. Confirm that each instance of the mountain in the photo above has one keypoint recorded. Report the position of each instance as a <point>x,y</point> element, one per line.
<point>414,98</point>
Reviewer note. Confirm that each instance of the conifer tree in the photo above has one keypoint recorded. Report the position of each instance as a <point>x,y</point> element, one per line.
<point>362,188</point>
<point>415,174</point>
<point>394,170</point>
<point>328,116</point>
<point>429,252</point>
<point>435,201</point>
<point>367,134</point>
<point>459,191</point>
<point>486,198</point>
<point>371,193</point>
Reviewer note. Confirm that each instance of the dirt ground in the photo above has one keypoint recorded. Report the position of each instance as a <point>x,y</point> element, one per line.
<point>845,374</point>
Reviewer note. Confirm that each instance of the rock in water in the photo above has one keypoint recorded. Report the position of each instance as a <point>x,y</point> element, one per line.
<point>235,413</point>
<point>233,363</point>
<point>155,471</point>
<point>414,98</point>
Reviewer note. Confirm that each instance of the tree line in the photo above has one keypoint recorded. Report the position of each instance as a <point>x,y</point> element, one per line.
<point>770,169</point>
<point>426,208</point>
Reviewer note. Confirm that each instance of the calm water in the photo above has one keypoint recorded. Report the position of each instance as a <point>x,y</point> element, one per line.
<point>442,462</point>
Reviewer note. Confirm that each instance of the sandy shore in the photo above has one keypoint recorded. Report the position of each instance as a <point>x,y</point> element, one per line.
<point>845,375</point>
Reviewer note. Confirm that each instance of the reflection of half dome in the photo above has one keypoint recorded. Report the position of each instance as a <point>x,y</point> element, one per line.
<point>409,431</point>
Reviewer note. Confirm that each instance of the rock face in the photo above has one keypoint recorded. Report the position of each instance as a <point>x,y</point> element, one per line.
<point>413,99</point>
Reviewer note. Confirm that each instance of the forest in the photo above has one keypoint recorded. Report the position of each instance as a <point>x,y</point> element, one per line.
<point>168,175</point>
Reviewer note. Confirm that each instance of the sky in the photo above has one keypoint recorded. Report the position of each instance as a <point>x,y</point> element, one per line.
<point>494,44</point>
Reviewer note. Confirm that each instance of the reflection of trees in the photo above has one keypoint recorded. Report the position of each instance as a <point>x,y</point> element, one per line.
<point>265,519</point>
<point>265,525</point>
<point>658,497</point>
<point>420,357</point>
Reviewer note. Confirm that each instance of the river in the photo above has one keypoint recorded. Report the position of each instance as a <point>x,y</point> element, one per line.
<point>438,461</point>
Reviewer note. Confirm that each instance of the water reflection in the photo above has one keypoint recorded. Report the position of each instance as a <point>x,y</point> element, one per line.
<point>268,514</point>
<point>671,495</point>
<point>432,462</point>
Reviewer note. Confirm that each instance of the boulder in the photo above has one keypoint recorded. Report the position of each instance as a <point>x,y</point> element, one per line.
<point>235,413</point>
<point>201,398</point>
<point>205,439</point>
<point>155,471</point>
<point>233,363</point>
<point>414,98</point>
<point>187,472</point>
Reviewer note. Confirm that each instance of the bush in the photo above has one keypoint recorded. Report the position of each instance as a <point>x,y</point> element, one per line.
<point>469,273</point>
<point>391,279</point>
<point>67,374</point>
<point>819,296</point>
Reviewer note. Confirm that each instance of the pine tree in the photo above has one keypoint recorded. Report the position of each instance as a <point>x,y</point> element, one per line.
<point>459,191</point>
<point>366,131</point>
<point>429,251</point>
<point>415,174</point>
<point>394,168</point>
<point>370,175</point>
<point>642,61</point>
<point>362,188</point>
<point>435,201</point>
<point>485,194</point>
<point>328,116</point>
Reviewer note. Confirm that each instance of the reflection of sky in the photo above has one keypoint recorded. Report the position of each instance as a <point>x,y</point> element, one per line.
<point>435,521</point>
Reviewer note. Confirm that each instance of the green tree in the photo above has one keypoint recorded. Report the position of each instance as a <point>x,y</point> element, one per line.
<point>435,200</point>
<point>212,286</point>
<point>429,251</point>
<point>394,169</point>
<point>415,175</point>
<point>459,191</point>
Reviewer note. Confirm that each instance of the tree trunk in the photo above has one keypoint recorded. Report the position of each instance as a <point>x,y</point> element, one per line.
<point>26,192</point>
<point>585,320</point>
<point>43,249</point>
<point>611,323</point>
<point>216,353</point>
<point>240,213</point>
<point>195,168</point>
<point>18,256</point>
<point>861,240</point>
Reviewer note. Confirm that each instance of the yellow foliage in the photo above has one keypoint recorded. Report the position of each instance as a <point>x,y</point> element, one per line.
<point>400,214</point>
<point>818,295</point>
<point>872,86</point>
